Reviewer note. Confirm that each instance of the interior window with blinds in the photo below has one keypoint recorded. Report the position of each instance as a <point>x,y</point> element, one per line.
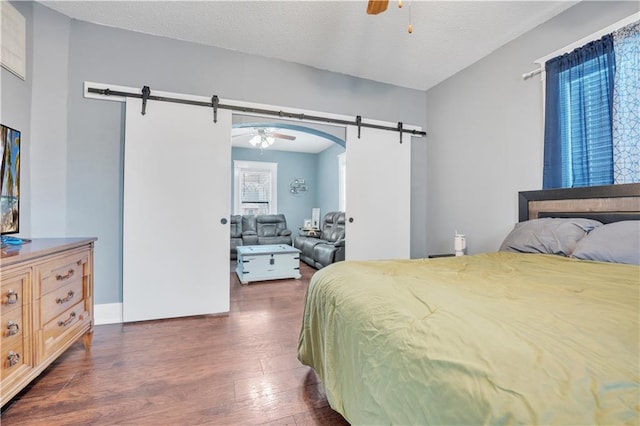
<point>255,187</point>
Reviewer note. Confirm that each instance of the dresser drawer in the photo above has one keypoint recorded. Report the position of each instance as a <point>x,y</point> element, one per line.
<point>15,360</point>
<point>63,328</point>
<point>12,295</point>
<point>62,298</point>
<point>61,271</point>
<point>13,325</point>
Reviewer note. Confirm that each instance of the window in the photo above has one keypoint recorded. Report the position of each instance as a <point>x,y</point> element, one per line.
<point>591,104</point>
<point>578,132</point>
<point>255,186</point>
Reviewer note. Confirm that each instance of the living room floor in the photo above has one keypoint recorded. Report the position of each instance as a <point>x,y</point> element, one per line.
<point>239,368</point>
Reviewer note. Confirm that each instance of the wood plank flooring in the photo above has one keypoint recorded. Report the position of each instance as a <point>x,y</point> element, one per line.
<point>236,369</point>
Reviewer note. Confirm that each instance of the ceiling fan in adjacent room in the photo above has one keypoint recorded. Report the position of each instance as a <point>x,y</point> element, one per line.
<point>375,7</point>
<point>265,137</point>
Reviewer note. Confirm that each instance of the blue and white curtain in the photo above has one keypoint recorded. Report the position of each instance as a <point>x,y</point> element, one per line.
<point>578,126</point>
<point>592,119</point>
<point>626,104</point>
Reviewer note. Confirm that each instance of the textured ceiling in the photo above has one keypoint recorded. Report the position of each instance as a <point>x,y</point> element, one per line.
<point>335,35</point>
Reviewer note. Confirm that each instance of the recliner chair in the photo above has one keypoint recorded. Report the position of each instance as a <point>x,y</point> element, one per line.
<point>272,229</point>
<point>333,250</point>
<point>236,234</point>
<point>252,230</point>
<point>330,242</point>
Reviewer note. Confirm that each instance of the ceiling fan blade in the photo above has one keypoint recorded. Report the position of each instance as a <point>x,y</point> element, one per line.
<point>377,6</point>
<point>281,136</point>
<point>265,132</point>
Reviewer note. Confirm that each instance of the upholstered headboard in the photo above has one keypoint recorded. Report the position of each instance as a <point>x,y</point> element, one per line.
<point>611,203</point>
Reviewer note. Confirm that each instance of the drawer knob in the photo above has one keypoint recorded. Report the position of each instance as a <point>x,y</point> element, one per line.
<point>69,296</point>
<point>67,321</point>
<point>66,276</point>
<point>13,328</point>
<point>13,358</point>
<point>12,297</point>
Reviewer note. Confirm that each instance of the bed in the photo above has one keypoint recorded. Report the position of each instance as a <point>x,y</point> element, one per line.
<point>524,335</point>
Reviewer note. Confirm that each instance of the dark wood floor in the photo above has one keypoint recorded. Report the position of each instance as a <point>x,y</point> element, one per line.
<point>237,369</point>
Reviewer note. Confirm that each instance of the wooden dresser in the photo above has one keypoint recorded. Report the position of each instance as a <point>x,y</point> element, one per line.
<point>46,305</point>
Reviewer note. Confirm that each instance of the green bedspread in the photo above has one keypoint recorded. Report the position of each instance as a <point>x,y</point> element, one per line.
<point>495,338</point>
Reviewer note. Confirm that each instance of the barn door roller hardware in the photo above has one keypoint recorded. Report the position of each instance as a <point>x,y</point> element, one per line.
<point>146,95</point>
<point>146,91</point>
<point>215,101</point>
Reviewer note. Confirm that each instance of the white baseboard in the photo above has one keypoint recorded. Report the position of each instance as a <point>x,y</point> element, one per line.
<point>107,313</point>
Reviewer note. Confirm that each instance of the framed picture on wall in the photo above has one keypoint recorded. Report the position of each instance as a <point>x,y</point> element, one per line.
<point>9,180</point>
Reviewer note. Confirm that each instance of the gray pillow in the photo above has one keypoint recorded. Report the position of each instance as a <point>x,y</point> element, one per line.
<point>617,242</point>
<point>548,235</point>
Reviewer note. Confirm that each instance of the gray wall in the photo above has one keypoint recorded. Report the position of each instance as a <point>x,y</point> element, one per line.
<point>485,135</point>
<point>95,128</point>
<point>49,123</point>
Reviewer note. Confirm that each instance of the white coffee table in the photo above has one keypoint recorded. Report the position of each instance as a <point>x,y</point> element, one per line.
<point>267,262</point>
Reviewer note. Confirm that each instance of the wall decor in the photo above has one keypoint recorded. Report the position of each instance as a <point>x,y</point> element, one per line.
<point>298,187</point>
<point>9,180</point>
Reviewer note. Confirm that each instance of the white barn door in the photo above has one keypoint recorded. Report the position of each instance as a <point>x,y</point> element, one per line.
<point>378,186</point>
<point>176,193</point>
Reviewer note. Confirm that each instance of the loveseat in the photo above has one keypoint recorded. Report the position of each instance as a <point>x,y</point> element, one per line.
<point>325,246</point>
<point>250,230</point>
